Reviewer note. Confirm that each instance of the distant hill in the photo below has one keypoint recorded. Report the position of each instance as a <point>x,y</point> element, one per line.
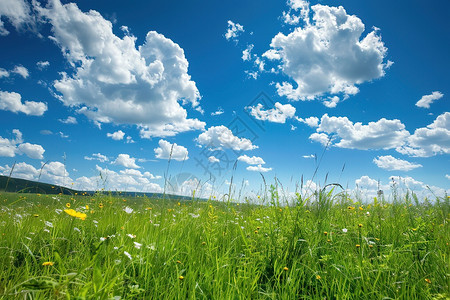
<point>17,185</point>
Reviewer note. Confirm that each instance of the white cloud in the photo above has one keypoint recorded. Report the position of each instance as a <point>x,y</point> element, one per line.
<point>426,100</point>
<point>130,140</point>
<point>126,180</point>
<point>126,161</point>
<point>279,114</point>
<point>32,150</point>
<point>42,64</point>
<point>22,71</point>
<point>3,73</point>
<point>447,176</point>
<point>173,151</point>
<point>331,102</point>
<point>69,120</point>
<point>116,81</point>
<point>117,136</point>
<point>321,138</point>
<point>9,148</point>
<point>21,170</point>
<point>213,159</point>
<point>311,121</point>
<point>222,137</point>
<point>258,168</point>
<point>97,156</point>
<point>391,163</point>
<point>431,140</point>
<point>326,55</point>
<point>12,101</point>
<point>137,173</point>
<point>218,112</point>
<point>247,53</point>
<point>297,6</point>
<point>368,187</point>
<point>382,134</point>
<point>233,30</point>
<point>309,156</point>
<point>254,160</point>
<point>17,12</point>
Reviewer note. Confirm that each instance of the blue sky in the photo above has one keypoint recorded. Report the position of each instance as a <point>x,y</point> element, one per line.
<point>112,88</point>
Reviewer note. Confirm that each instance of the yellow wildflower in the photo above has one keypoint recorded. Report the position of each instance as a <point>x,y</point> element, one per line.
<point>181,277</point>
<point>318,277</point>
<point>427,280</point>
<point>100,205</point>
<point>68,205</point>
<point>76,214</point>
<point>286,269</point>
<point>47,263</point>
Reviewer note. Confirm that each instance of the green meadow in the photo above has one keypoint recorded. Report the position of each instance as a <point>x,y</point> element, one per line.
<point>327,246</point>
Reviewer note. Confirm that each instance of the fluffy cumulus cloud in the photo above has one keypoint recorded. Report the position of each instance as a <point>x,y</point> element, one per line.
<point>22,71</point>
<point>258,168</point>
<point>367,187</point>
<point>233,31</point>
<point>311,121</point>
<point>117,136</point>
<point>116,81</point>
<point>16,146</point>
<point>431,140</point>
<point>255,163</point>
<point>298,10</point>
<point>173,151</point>
<point>254,160</point>
<point>382,134</point>
<point>56,173</point>
<point>222,137</point>
<point>32,150</point>
<point>213,159</point>
<point>278,114</point>
<point>12,101</point>
<point>326,55</point>
<point>426,100</point>
<point>53,172</point>
<point>391,163</point>
<point>16,12</point>
<point>126,161</point>
<point>125,180</point>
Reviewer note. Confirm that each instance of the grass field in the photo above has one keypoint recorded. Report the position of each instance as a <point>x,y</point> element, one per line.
<point>329,247</point>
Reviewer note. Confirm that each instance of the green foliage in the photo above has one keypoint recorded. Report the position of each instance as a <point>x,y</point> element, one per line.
<point>322,246</point>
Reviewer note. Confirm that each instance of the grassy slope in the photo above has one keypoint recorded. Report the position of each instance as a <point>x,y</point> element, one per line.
<point>222,251</point>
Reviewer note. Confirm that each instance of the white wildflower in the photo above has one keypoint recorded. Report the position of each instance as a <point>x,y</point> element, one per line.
<point>128,210</point>
<point>49,224</point>
<point>76,229</point>
<point>132,236</point>
<point>137,245</point>
<point>344,230</point>
<point>127,255</point>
